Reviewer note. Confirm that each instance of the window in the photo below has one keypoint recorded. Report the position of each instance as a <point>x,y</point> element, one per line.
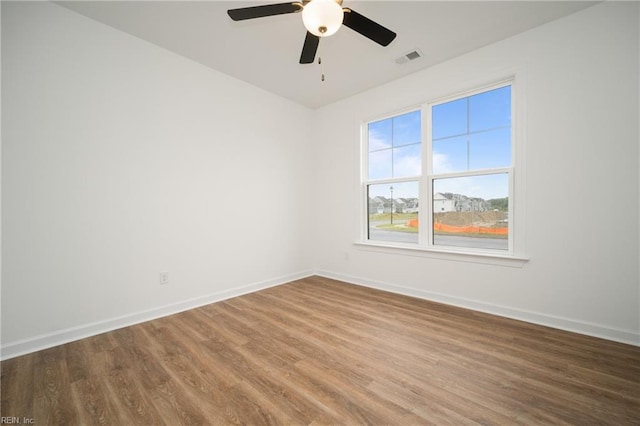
<point>448,164</point>
<point>394,170</point>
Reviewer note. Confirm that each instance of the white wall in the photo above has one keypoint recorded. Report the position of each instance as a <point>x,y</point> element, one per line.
<point>582,141</point>
<point>121,160</point>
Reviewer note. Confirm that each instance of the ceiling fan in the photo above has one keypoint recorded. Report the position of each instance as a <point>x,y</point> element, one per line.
<point>321,18</point>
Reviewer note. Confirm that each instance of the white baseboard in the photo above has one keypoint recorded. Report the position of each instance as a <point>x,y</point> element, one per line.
<point>14,349</point>
<point>589,329</point>
<point>22,347</point>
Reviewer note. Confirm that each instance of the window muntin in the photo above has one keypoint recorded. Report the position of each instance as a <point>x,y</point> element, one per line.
<point>467,153</point>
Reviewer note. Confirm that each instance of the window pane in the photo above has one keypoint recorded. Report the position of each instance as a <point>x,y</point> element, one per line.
<point>406,129</point>
<point>380,135</point>
<point>407,161</point>
<point>380,164</point>
<point>394,147</point>
<point>450,155</point>
<point>490,149</point>
<point>472,211</point>
<point>393,212</point>
<point>449,119</point>
<point>490,109</point>
<point>472,133</point>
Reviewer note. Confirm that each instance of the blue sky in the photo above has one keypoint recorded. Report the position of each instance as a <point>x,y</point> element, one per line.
<point>471,133</point>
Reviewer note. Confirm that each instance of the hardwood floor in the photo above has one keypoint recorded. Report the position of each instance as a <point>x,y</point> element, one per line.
<point>318,351</point>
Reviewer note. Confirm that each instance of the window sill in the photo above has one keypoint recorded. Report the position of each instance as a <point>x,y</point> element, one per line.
<point>485,258</point>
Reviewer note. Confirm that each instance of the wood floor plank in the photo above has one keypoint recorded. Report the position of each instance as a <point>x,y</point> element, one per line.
<point>133,402</point>
<point>17,378</point>
<point>52,391</point>
<point>318,351</point>
<point>193,371</point>
<point>91,399</point>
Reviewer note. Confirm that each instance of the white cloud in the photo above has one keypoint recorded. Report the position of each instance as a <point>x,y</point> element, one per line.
<point>441,163</point>
<point>377,142</point>
<point>407,166</point>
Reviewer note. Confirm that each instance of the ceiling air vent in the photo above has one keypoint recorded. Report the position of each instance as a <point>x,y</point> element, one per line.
<point>409,56</point>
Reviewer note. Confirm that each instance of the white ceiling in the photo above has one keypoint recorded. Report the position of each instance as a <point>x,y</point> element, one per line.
<point>265,51</point>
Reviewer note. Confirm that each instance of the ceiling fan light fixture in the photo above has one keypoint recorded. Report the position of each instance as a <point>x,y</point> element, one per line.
<point>322,18</point>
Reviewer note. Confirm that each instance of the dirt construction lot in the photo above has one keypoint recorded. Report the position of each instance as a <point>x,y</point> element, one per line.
<point>492,218</point>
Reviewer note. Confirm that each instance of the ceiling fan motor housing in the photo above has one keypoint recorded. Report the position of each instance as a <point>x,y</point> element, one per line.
<point>322,18</point>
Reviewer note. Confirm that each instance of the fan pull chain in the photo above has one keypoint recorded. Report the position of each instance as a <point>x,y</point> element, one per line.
<point>320,62</point>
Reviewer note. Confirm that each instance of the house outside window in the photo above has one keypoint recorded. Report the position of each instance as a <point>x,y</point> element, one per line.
<point>441,176</point>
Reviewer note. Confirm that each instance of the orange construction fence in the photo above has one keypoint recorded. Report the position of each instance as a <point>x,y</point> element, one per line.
<point>413,223</point>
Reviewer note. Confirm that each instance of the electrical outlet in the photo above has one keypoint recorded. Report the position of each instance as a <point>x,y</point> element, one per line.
<point>164,278</point>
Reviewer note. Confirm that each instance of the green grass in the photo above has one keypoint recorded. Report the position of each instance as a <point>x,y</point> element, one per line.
<point>386,217</point>
<point>398,228</point>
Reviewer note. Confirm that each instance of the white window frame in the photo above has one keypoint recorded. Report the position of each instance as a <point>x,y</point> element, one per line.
<point>515,254</point>
<point>391,181</point>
